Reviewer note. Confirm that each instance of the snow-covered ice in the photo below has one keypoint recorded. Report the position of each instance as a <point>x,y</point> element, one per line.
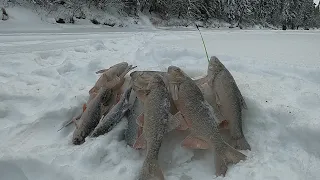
<point>45,77</point>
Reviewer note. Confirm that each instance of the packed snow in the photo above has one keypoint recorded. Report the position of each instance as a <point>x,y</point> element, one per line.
<point>46,71</point>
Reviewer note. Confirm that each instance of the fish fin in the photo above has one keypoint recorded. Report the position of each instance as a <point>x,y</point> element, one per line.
<point>142,93</point>
<point>231,155</point>
<point>220,165</point>
<point>174,91</point>
<point>140,130</point>
<point>140,142</point>
<point>182,124</point>
<point>241,144</point>
<point>224,124</point>
<point>151,170</point>
<point>84,107</point>
<point>61,128</point>
<point>140,120</point>
<point>223,158</point>
<point>194,143</point>
<point>67,123</point>
<point>101,71</point>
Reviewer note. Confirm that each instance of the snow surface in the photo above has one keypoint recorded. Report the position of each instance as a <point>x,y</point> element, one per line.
<point>47,70</point>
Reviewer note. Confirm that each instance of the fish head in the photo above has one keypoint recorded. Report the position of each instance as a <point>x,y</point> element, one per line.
<point>215,65</point>
<point>120,65</point>
<point>156,81</point>
<point>140,79</point>
<point>118,69</point>
<point>175,74</point>
<point>78,137</point>
<point>135,74</point>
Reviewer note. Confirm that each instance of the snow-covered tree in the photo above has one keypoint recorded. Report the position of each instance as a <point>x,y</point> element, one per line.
<point>290,13</point>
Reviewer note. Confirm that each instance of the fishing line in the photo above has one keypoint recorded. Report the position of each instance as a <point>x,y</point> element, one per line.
<point>204,45</point>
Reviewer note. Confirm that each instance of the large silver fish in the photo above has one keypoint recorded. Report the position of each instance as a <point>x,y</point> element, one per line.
<point>91,116</point>
<point>229,101</point>
<point>201,120</point>
<point>155,125</point>
<point>112,78</point>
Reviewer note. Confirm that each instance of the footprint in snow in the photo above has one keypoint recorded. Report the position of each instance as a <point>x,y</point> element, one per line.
<point>98,45</point>
<point>66,68</point>
<point>81,49</point>
<point>49,58</point>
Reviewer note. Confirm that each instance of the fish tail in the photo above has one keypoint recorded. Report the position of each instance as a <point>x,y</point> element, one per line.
<point>225,157</point>
<point>233,155</point>
<point>151,170</point>
<point>241,144</point>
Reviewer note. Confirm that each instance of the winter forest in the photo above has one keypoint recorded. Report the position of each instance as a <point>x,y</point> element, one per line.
<point>285,14</point>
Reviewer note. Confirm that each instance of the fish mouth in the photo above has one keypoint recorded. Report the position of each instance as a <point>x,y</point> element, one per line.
<point>156,80</point>
<point>132,74</point>
<point>214,59</point>
<point>215,65</point>
<point>172,69</point>
<point>78,141</point>
<point>175,74</point>
<point>122,64</point>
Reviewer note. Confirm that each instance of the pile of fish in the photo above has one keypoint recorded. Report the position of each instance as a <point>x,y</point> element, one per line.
<point>155,103</point>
